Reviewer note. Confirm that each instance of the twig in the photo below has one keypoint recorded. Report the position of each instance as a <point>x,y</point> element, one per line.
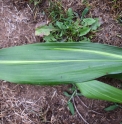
<point>94,112</point>
<point>82,102</point>
<point>87,106</point>
<point>79,112</point>
<point>30,9</point>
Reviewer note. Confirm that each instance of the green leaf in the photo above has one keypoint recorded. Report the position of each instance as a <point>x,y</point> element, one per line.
<point>85,39</point>
<point>70,13</point>
<point>85,11</point>
<point>84,31</point>
<point>112,107</point>
<point>49,38</point>
<point>67,94</point>
<point>76,15</point>
<point>95,25</point>
<point>88,21</point>
<point>71,108</point>
<point>62,63</point>
<point>98,90</point>
<point>59,63</point>
<point>60,25</point>
<point>44,30</point>
<point>76,25</point>
<point>116,76</point>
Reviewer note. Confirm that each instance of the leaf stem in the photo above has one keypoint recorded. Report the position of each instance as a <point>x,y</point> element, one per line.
<point>72,96</point>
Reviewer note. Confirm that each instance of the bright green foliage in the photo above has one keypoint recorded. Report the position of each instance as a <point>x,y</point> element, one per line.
<point>88,21</point>
<point>84,31</point>
<point>72,62</point>
<point>67,26</point>
<point>62,63</point>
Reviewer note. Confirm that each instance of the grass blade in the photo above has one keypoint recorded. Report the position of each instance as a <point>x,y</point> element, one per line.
<point>71,108</point>
<point>111,108</point>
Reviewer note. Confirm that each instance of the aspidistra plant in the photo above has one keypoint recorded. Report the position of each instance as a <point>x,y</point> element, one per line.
<point>65,63</point>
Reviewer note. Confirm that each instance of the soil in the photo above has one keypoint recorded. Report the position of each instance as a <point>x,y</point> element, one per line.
<point>27,104</point>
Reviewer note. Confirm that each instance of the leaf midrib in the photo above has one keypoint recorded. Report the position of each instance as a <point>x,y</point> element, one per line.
<point>54,61</point>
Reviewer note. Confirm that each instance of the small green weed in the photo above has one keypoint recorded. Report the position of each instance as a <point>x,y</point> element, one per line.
<point>66,25</point>
<point>113,107</point>
<point>56,11</point>
<point>71,94</point>
<point>116,9</point>
<point>120,19</point>
<point>35,2</point>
